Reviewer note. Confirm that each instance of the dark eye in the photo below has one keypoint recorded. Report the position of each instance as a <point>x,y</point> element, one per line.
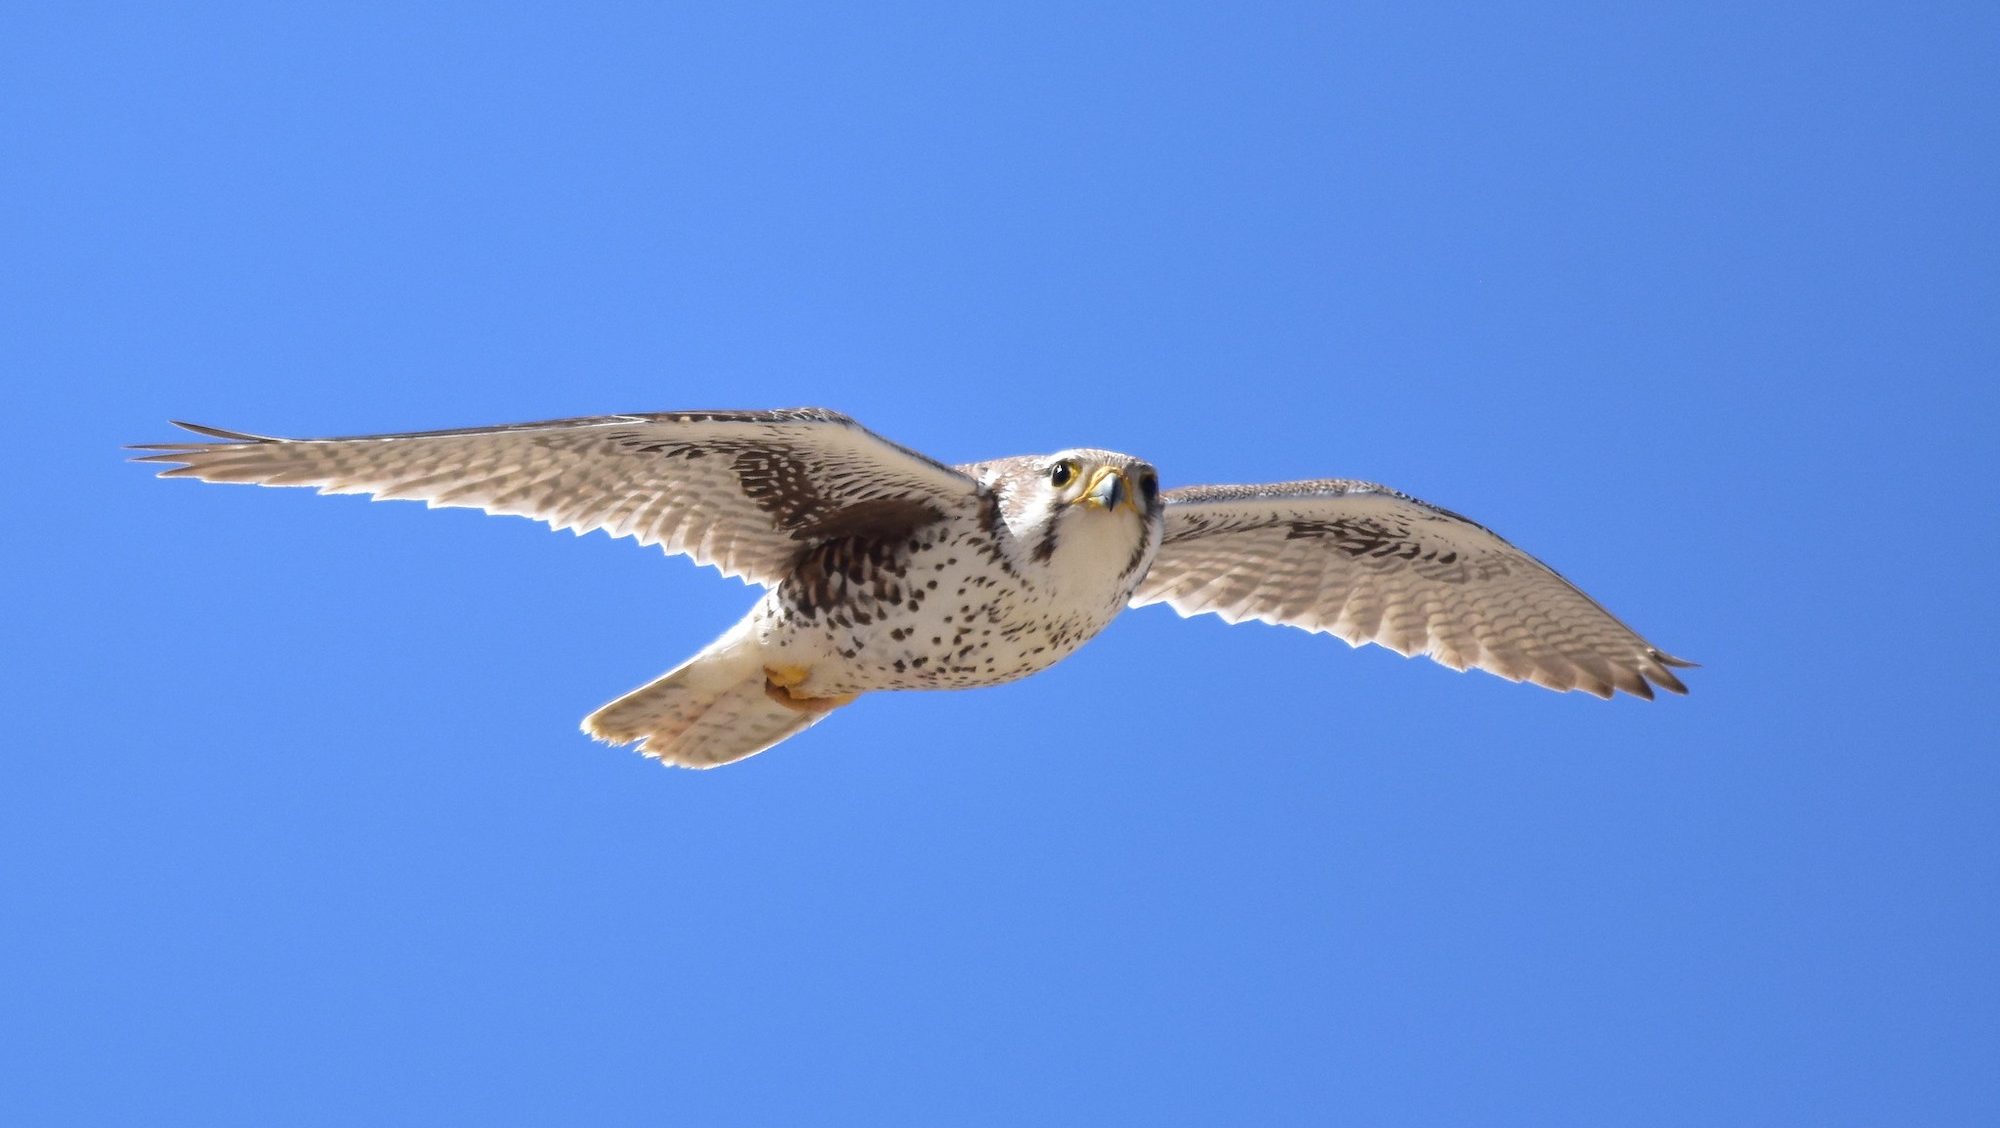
<point>1061,473</point>
<point>1149,487</point>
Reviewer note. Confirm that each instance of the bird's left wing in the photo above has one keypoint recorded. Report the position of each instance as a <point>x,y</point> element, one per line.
<point>745,491</point>
<point>1368,564</point>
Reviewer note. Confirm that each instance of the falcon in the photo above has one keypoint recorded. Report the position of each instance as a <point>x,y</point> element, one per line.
<point>885,569</point>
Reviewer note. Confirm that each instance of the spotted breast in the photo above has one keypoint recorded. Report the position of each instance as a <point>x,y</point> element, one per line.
<point>1060,546</point>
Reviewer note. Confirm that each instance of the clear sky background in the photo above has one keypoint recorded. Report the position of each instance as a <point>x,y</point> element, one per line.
<point>1700,303</point>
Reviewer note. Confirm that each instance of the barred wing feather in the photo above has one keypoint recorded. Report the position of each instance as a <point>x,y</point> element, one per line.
<point>1368,564</point>
<point>745,491</point>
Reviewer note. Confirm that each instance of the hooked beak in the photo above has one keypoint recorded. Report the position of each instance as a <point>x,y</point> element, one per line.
<point>1109,490</point>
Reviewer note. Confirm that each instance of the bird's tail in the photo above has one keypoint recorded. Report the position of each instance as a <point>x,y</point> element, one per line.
<point>716,708</point>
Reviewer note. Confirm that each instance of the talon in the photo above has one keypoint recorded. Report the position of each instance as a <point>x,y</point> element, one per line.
<point>781,685</point>
<point>786,677</point>
<point>787,698</point>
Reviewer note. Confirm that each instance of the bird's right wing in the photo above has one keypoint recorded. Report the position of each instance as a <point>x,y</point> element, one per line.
<point>1368,564</point>
<point>745,491</point>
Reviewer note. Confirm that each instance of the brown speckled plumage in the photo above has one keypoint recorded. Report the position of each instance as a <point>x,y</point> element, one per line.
<point>885,569</point>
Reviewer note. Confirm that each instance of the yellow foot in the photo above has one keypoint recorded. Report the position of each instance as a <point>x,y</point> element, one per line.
<point>781,684</point>
<point>786,677</point>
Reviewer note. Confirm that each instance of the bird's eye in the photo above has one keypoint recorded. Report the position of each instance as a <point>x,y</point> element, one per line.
<point>1149,487</point>
<point>1061,473</point>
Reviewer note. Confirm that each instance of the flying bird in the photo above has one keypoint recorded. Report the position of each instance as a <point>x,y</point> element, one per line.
<point>885,569</point>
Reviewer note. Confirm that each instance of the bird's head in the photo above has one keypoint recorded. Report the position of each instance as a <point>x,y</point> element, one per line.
<point>1079,508</point>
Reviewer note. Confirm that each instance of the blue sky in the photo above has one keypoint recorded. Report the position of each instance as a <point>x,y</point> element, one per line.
<point>1698,303</point>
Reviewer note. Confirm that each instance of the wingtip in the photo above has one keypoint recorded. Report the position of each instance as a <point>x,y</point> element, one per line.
<point>1667,681</point>
<point>179,452</point>
<point>216,432</point>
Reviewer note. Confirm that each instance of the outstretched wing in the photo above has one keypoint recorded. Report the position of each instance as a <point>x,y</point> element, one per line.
<point>1368,564</point>
<point>745,491</point>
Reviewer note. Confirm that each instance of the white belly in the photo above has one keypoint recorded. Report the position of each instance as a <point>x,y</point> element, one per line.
<point>944,617</point>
